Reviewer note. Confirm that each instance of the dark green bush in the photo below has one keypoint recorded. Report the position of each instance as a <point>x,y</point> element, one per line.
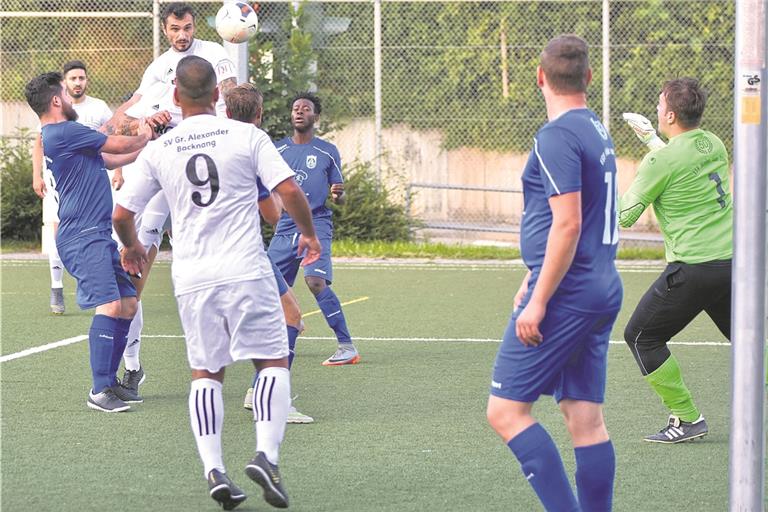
<point>369,212</point>
<point>21,217</point>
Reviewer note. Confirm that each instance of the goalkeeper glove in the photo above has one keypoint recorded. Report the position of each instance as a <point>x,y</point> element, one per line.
<point>644,130</point>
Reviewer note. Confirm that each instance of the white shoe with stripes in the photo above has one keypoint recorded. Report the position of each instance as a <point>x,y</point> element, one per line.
<point>678,431</point>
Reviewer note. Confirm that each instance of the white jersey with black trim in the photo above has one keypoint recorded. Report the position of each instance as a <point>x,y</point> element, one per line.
<point>207,169</point>
<point>158,82</point>
<point>92,112</point>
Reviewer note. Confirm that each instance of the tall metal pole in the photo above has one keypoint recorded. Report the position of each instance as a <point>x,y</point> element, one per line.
<point>606,65</point>
<point>377,87</point>
<point>748,335</point>
<point>155,29</point>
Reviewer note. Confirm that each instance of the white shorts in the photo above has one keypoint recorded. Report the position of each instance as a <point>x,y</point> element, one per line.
<point>151,223</point>
<point>51,199</point>
<point>233,322</point>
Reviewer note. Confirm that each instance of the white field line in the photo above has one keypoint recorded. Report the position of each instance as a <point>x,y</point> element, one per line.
<point>70,341</point>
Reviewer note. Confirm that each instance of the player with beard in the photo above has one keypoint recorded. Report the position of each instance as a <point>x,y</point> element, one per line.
<point>155,97</point>
<point>91,112</point>
<point>77,155</point>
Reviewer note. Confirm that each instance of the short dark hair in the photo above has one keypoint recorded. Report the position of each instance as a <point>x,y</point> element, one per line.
<point>686,99</point>
<point>41,89</point>
<point>177,10</point>
<point>244,102</point>
<point>566,64</point>
<point>73,64</point>
<point>195,79</point>
<point>318,107</point>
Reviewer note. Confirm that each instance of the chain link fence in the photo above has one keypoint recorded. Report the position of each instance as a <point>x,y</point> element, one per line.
<point>440,94</point>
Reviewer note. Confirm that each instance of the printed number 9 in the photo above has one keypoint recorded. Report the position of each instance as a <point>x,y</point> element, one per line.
<point>213,179</point>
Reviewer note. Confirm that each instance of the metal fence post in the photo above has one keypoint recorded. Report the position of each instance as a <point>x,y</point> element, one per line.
<point>747,442</point>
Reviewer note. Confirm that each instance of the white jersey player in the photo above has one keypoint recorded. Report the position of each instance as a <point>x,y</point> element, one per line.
<point>207,169</point>
<point>155,95</point>
<point>91,112</point>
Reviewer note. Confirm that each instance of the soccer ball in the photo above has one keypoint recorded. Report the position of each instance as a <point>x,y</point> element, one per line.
<point>236,22</point>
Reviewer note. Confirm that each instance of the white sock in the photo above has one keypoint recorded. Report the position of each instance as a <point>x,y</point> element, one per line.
<point>131,354</point>
<point>206,413</point>
<point>57,267</point>
<point>271,401</point>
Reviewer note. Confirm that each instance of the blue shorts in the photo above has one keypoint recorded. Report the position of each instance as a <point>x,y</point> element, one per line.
<point>569,363</point>
<point>94,262</point>
<point>282,286</point>
<point>283,253</point>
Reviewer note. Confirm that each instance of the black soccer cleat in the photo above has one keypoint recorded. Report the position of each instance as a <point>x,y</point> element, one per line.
<point>126,395</point>
<point>678,431</point>
<point>224,491</point>
<point>132,379</point>
<point>267,475</point>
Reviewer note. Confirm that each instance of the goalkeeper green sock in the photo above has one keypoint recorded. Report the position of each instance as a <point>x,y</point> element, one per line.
<point>668,383</point>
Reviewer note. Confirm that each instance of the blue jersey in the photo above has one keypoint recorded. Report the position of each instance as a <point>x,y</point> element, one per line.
<point>73,154</point>
<point>317,166</point>
<point>263,191</point>
<point>574,153</point>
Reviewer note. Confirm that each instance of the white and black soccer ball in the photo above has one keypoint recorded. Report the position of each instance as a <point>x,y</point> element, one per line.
<point>236,22</point>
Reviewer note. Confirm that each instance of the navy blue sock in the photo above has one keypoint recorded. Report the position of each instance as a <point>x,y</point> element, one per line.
<point>595,469</point>
<point>331,307</point>
<point>543,468</point>
<point>101,337</point>
<point>118,347</point>
<point>293,333</point>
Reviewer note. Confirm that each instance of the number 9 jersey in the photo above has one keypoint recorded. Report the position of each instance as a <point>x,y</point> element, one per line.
<point>207,168</point>
<point>574,153</point>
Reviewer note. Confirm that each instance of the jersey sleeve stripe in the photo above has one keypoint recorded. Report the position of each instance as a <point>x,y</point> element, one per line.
<point>543,165</point>
<point>329,156</point>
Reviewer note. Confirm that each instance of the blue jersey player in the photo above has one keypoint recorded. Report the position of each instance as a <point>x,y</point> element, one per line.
<point>318,169</point>
<point>77,156</point>
<point>557,339</point>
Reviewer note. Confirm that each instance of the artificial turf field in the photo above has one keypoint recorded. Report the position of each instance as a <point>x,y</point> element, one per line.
<point>404,430</point>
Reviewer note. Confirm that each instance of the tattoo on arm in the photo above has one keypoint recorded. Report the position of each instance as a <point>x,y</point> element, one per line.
<point>121,125</point>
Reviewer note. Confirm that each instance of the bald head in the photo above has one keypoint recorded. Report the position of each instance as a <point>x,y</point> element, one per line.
<point>195,82</point>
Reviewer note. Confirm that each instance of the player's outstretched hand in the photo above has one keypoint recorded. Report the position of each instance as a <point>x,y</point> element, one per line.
<point>133,259</point>
<point>644,130</point>
<point>159,120</point>
<point>312,247</point>
<point>527,324</point>
<point>117,179</point>
<point>145,129</point>
<point>38,185</point>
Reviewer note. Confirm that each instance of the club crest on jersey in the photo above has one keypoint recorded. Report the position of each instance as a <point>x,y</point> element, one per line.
<point>311,161</point>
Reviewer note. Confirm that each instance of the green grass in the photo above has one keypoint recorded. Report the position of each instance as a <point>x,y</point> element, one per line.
<point>402,431</point>
<point>429,250</point>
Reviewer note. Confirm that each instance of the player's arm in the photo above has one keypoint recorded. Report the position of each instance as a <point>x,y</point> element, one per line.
<point>269,210</point>
<point>338,196</point>
<point>117,177</point>
<point>125,144</point>
<point>561,248</point>
<point>121,123</point>
<point>644,130</point>
<point>651,180</point>
<point>38,183</point>
<point>116,161</point>
<point>295,203</point>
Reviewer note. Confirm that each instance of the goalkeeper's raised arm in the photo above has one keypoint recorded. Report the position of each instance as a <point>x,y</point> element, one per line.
<point>644,130</point>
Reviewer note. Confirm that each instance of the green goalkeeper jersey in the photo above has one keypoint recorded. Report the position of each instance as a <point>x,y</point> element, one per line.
<point>687,183</point>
